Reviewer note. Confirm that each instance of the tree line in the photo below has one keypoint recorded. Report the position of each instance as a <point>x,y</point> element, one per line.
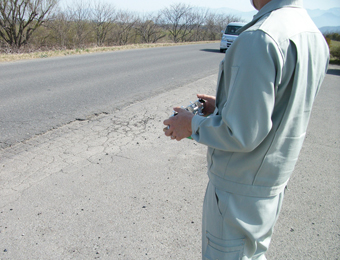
<point>333,36</point>
<point>45,24</point>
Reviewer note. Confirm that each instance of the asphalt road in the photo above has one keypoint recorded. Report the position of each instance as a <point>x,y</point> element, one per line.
<point>39,95</point>
<point>114,187</point>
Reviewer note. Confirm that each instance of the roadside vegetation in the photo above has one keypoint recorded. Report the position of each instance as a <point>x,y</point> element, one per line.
<point>7,57</point>
<point>43,28</point>
<point>333,40</point>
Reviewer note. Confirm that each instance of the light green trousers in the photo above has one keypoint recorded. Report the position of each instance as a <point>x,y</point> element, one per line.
<point>236,227</point>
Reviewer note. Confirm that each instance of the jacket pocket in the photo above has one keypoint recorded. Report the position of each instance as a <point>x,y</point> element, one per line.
<point>224,249</point>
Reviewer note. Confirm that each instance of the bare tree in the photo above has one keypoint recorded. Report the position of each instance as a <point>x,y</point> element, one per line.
<point>104,15</point>
<point>149,30</point>
<point>193,21</point>
<point>210,27</point>
<point>188,25</point>
<point>124,26</point>
<point>60,26</point>
<point>81,18</point>
<point>176,20</point>
<point>200,18</point>
<point>20,18</point>
<point>85,23</point>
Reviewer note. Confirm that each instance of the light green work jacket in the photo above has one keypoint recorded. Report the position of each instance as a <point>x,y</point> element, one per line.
<point>267,84</point>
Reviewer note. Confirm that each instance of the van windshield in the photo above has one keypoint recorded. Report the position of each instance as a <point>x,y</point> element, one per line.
<point>232,29</point>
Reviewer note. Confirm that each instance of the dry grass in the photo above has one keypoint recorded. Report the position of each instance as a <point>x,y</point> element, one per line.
<point>59,53</point>
<point>335,49</point>
<point>335,44</point>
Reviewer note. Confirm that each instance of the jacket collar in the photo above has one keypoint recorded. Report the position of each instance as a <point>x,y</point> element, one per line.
<point>271,6</point>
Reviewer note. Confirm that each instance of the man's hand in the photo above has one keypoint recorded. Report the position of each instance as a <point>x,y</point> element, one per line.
<point>179,125</point>
<point>209,105</point>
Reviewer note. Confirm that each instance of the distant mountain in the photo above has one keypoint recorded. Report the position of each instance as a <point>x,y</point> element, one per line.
<point>322,18</point>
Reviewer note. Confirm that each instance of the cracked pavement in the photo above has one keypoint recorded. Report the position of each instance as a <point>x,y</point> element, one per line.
<point>114,187</point>
<point>107,187</point>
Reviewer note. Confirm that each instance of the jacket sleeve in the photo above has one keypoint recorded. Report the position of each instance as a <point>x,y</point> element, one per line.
<point>251,73</point>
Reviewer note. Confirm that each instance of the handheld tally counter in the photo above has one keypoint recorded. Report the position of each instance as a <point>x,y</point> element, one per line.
<point>195,108</point>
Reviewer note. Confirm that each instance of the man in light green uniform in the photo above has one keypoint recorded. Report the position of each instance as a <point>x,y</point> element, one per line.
<point>267,84</point>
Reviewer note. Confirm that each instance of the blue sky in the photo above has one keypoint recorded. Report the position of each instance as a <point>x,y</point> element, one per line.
<point>242,5</point>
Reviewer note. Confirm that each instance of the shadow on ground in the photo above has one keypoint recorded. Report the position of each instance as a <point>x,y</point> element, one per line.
<point>211,50</point>
<point>334,71</point>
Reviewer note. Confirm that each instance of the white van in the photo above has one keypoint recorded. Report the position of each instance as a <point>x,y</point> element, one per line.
<point>229,35</point>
